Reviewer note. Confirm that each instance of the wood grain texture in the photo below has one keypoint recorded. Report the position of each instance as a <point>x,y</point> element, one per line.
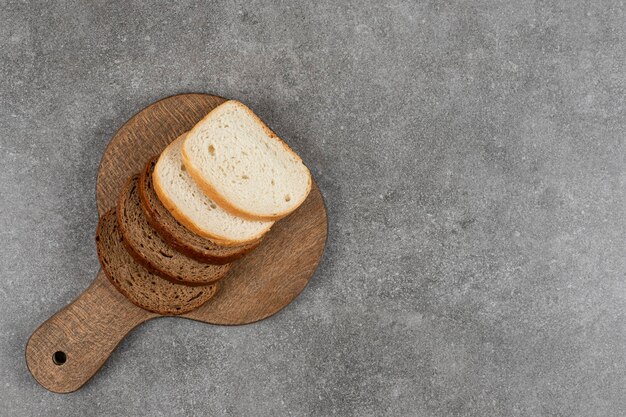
<point>259,285</point>
<point>267,279</point>
<point>87,331</point>
<point>146,134</point>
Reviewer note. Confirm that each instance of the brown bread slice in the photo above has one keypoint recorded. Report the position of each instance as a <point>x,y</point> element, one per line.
<point>177,235</point>
<point>141,287</point>
<point>152,252</point>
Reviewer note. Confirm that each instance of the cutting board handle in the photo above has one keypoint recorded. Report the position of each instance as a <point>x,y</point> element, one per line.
<point>71,346</point>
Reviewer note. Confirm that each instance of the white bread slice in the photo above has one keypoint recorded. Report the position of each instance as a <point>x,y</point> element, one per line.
<point>193,209</point>
<point>243,166</point>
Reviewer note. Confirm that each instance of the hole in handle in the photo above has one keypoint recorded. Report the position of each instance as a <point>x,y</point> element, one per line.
<point>59,357</point>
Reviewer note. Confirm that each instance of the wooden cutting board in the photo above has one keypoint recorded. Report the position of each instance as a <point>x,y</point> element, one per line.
<point>71,346</point>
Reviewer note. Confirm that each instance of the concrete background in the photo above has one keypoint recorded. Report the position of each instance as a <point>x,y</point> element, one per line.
<point>472,156</point>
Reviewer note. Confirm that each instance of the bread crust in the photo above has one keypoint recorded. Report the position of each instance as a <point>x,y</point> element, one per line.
<point>220,199</point>
<point>214,274</point>
<point>189,224</point>
<point>213,288</point>
<point>174,239</point>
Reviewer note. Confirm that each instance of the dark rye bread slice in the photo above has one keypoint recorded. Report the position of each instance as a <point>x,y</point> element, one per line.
<point>177,235</point>
<point>152,252</point>
<point>141,287</point>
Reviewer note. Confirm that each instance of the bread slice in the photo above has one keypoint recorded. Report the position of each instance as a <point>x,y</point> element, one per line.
<point>152,252</point>
<point>197,212</point>
<point>243,166</point>
<point>177,235</point>
<point>141,287</point>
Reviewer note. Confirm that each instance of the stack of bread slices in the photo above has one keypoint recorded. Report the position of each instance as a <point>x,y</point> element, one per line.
<point>205,202</point>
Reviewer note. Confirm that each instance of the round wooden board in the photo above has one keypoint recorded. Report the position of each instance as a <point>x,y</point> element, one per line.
<point>259,285</point>
<point>264,281</point>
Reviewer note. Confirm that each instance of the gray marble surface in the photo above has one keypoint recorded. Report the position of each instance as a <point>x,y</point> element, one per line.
<point>473,158</point>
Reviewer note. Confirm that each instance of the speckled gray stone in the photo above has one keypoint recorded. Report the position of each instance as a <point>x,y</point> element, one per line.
<point>473,158</point>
